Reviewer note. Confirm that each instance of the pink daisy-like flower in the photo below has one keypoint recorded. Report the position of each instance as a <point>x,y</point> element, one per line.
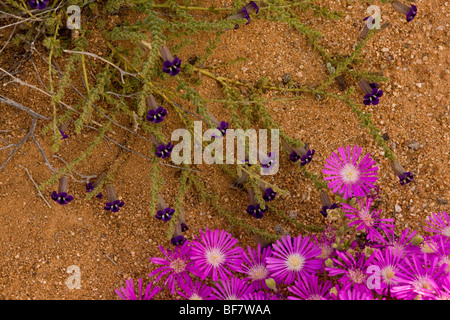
<point>232,289</point>
<point>444,290</point>
<point>213,252</point>
<point>419,277</point>
<point>254,265</point>
<point>349,177</point>
<point>366,220</point>
<point>401,243</point>
<point>309,288</point>
<point>348,292</point>
<point>128,293</point>
<point>293,258</point>
<point>386,264</point>
<point>260,295</point>
<point>353,271</point>
<point>197,291</point>
<point>439,223</point>
<point>176,266</point>
<point>325,245</point>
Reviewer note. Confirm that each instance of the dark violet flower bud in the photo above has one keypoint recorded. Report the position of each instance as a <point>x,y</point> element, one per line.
<point>303,154</point>
<point>64,136</point>
<point>326,204</point>
<point>269,195</point>
<point>254,208</point>
<point>223,127</point>
<point>89,187</point>
<point>372,93</point>
<point>38,4</point>
<point>164,151</point>
<point>177,238</point>
<point>184,227</point>
<point>165,214</point>
<point>404,176</point>
<point>256,211</point>
<point>61,196</point>
<point>244,13</point>
<point>156,113</point>
<point>409,12</point>
<point>171,65</point>
<point>113,203</point>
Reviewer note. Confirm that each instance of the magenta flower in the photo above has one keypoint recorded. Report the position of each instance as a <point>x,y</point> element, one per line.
<point>197,291</point>
<point>352,271</point>
<point>128,293</point>
<point>327,251</point>
<point>260,295</point>
<point>347,292</point>
<point>254,266</point>
<point>387,262</point>
<point>214,252</point>
<point>176,266</point>
<point>366,220</point>
<point>232,289</point>
<point>347,175</point>
<point>439,223</point>
<point>309,288</point>
<point>419,277</point>
<point>401,243</point>
<point>293,258</point>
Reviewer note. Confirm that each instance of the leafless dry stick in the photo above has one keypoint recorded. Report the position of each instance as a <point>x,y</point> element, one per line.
<point>37,188</point>
<point>9,39</point>
<point>8,146</point>
<point>87,178</point>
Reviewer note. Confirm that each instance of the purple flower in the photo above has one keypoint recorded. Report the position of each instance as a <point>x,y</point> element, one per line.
<point>178,240</point>
<point>325,208</point>
<point>256,211</point>
<point>157,115</point>
<point>406,178</point>
<point>269,195</point>
<point>307,158</point>
<point>38,4</point>
<point>352,271</point>
<point>400,243</point>
<point>254,266</point>
<point>347,292</point>
<point>438,223</point>
<point>184,227</point>
<point>64,136</point>
<point>232,289</point>
<point>165,215</point>
<point>175,266</point>
<point>223,128</point>
<point>387,261</point>
<point>268,163</point>
<point>412,13</point>
<point>373,97</point>
<point>164,151</point>
<point>99,195</point>
<point>246,15</point>
<point>309,288</point>
<point>260,295</point>
<point>293,258</point>
<point>349,177</point>
<point>366,220</point>
<point>128,293</point>
<point>419,277</point>
<point>61,198</point>
<point>114,206</point>
<point>172,67</point>
<point>89,187</point>
<point>213,252</point>
<point>197,291</point>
